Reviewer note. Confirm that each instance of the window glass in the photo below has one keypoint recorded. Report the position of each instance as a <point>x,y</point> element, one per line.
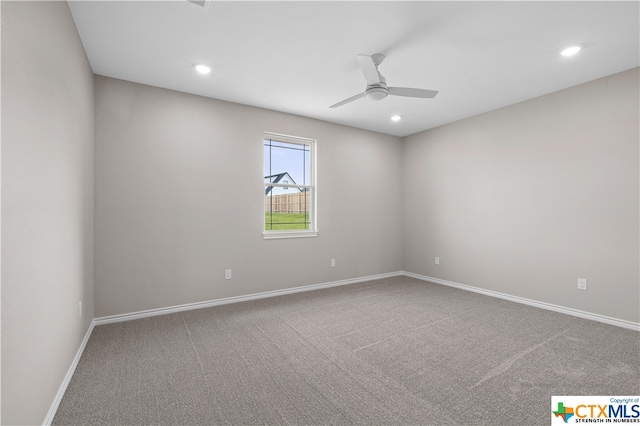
<point>289,203</point>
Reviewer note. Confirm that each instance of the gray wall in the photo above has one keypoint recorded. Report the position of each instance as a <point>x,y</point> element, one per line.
<point>526,199</point>
<point>179,199</point>
<point>47,204</point>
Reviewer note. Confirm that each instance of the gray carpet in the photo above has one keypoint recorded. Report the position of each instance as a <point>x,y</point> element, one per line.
<point>392,351</point>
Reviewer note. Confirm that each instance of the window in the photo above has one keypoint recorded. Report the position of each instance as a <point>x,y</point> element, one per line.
<point>289,186</point>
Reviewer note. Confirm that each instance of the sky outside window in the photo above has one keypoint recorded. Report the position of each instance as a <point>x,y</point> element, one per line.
<point>281,157</point>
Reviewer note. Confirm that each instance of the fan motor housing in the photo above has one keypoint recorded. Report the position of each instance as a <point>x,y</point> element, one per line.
<point>376,93</point>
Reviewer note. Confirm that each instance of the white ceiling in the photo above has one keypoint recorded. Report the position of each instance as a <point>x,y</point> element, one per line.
<point>300,57</point>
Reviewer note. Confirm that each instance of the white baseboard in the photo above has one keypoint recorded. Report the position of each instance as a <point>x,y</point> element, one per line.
<point>235,299</point>
<point>67,378</point>
<point>543,305</point>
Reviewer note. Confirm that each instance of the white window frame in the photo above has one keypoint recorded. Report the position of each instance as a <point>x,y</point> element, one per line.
<point>311,187</point>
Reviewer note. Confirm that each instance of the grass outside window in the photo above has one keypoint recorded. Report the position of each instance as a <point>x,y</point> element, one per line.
<point>285,221</point>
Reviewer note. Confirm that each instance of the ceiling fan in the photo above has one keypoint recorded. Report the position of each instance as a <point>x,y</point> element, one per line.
<point>377,85</point>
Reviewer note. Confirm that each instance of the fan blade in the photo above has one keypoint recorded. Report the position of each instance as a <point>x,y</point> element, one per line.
<point>369,70</point>
<point>346,101</point>
<point>412,93</point>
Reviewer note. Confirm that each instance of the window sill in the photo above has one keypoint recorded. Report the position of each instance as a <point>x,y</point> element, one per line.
<point>274,235</point>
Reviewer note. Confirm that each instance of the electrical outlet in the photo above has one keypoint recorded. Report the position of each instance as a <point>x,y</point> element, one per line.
<point>582,284</point>
<point>437,260</point>
<point>333,263</point>
<point>227,274</point>
<point>79,309</point>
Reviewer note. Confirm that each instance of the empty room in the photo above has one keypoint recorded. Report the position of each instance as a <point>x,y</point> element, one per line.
<point>370,212</point>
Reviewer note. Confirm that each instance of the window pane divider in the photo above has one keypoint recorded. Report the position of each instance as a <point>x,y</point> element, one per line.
<point>287,185</point>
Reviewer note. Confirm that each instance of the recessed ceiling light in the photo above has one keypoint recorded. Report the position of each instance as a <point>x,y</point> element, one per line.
<point>396,118</point>
<point>202,69</point>
<point>570,51</point>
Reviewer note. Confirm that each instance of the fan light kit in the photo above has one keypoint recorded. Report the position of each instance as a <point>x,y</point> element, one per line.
<point>376,93</point>
<point>202,69</point>
<point>377,88</point>
<point>570,51</point>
